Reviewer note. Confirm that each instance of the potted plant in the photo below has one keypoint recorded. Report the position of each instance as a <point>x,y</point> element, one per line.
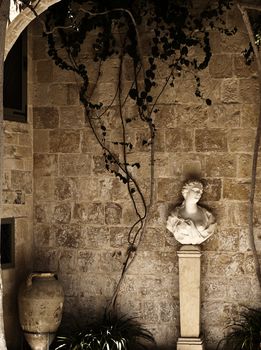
<point>244,334</point>
<point>113,332</point>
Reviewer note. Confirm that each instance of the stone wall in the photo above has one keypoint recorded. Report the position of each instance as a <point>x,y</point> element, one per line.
<point>82,213</point>
<point>18,203</point>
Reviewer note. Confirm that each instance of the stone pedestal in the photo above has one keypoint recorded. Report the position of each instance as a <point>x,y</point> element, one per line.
<point>189,294</point>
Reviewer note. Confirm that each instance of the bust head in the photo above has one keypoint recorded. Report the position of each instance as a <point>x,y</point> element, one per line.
<point>192,190</point>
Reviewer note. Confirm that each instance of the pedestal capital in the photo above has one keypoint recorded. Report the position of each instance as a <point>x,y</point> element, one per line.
<point>189,251</point>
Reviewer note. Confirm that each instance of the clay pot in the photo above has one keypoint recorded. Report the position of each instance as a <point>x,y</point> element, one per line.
<point>40,302</point>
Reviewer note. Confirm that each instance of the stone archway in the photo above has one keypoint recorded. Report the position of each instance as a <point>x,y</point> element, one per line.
<point>8,36</point>
<point>22,21</point>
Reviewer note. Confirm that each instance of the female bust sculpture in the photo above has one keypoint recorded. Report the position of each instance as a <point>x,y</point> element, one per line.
<point>190,223</point>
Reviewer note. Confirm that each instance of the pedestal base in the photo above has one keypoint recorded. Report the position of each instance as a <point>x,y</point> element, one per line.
<point>190,344</point>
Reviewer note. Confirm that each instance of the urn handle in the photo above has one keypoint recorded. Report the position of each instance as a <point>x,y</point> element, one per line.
<point>29,280</point>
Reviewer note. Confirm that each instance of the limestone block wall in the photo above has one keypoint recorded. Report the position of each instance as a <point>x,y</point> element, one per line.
<point>18,203</point>
<point>82,213</point>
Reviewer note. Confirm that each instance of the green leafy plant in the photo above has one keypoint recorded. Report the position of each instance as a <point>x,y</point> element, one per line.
<point>111,333</point>
<point>244,334</point>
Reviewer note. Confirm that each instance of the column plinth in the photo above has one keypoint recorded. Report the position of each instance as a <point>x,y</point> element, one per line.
<point>189,296</point>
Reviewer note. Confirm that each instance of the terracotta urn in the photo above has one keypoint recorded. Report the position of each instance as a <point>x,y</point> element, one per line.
<point>40,302</point>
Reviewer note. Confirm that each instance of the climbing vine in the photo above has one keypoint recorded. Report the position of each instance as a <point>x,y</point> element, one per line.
<point>113,28</point>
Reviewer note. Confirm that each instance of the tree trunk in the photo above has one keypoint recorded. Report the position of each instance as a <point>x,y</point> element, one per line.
<point>4,12</point>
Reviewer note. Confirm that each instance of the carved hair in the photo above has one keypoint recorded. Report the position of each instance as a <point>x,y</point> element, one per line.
<point>190,184</point>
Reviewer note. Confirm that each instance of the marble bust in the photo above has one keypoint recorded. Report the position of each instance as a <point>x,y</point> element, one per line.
<point>190,223</point>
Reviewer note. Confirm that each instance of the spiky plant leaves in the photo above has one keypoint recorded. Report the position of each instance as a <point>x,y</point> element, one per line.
<point>244,334</point>
<point>111,333</point>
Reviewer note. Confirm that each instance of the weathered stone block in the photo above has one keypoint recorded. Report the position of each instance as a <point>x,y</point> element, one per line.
<point>42,213</point>
<point>236,190</point>
<point>209,140</point>
<point>110,262</point>
<point>158,215</point>
<point>110,71</point>
<point>119,237</point>
<point>39,49</point>
<point>160,262</point>
<point>211,89</point>
<point>69,281</point>
<point>244,243</point>
<point>45,164</point>
<point>40,94</point>
<point>45,117</point>
<point>244,167</point>
<point>249,115</point>
<point>67,261</point>
<point>25,140</point>
<point>113,214</point>
<point>116,188</point>
<point>230,44</point>
<point>224,115</point>
<point>249,265</point>
<point>93,189</point>
<point>44,71</point>
<point>64,76</point>
<point>66,94</point>
<point>221,66</point>
<point>152,239</point>
<point>237,214</point>
<point>106,93</point>
<point>241,140</point>
<point>96,213</point>
<point>169,312</point>
<point>86,261</point>
<point>98,167</point>
<point>64,141</point>
<point>71,117</point>
<point>226,264</point>
<point>16,127</point>
<point>75,164</point>
<point>212,190</point>
<point>237,288</point>
<point>226,239</point>
<point>213,288</point>
<point>96,237</point>
<point>169,190</point>
<point>150,311</point>
<point>179,140</point>
<point>96,285</point>
<point>62,213</point>
<point>241,69</point>
<point>165,117</point>
<point>44,188</point>
<point>89,143</point>
<point>64,188</point>
<point>43,235</point>
<point>230,91</point>
<point>249,90</point>
<point>188,115</point>
<point>221,165</point>
<point>17,152</point>
<point>22,180</point>
<point>69,236</point>
<point>185,91</point>
<point>143,141</point>
<point>46,259</point>
<point>41,141</point>
<point>80,212</point>
<point>10,138</point>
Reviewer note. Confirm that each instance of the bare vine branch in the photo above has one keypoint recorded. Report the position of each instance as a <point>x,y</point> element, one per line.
<point>246,20</point>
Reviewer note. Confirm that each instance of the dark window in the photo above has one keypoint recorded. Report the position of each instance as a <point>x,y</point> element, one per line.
<point>15,81</point>
<point>7,243</point>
